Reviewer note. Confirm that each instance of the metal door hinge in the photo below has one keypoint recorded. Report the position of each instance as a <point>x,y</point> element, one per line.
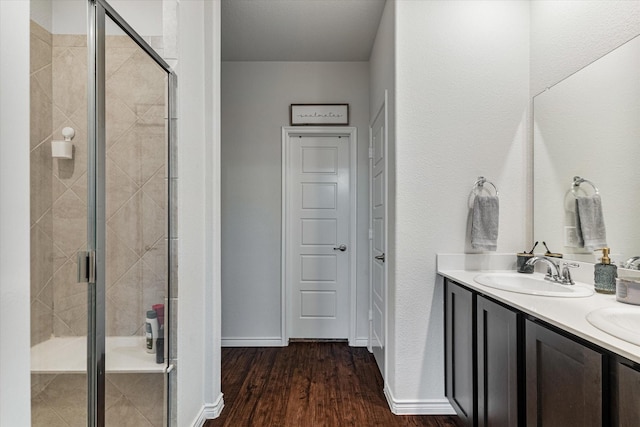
<point>370,234</point>
<point>86,266</point>
<point>371,152</point>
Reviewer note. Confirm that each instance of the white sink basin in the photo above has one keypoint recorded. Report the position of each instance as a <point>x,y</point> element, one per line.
<point>621,322</point>
<point>531,284</point>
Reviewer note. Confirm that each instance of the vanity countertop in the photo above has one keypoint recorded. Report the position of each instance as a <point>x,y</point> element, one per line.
<point>568,314</point>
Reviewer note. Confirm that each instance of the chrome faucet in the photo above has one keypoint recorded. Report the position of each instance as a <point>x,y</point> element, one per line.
<point>630,263</point>
<point>553,271</point>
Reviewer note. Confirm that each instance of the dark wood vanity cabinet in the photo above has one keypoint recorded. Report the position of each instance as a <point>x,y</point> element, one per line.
<point>625,395</point>
<point>564,380</point>
<point>460,352</point>
<point>481,359</point>
<point>498,369</point>
<point>508,368</point>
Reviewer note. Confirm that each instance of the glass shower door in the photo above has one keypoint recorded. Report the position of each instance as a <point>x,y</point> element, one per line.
<point>131,188</point>
<point>136,244</point>
<point>100,262</point>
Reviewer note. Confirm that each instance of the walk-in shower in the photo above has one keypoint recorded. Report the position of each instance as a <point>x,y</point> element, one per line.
<point>102,221</point>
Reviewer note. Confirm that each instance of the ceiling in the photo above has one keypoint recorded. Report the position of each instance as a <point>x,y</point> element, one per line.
<point>299,30</point>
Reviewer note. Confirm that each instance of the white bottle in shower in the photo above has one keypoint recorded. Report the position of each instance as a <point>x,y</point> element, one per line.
<point>151,331</point>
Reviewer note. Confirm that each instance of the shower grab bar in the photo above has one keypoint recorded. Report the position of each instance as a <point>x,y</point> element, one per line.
<point>579,180</point>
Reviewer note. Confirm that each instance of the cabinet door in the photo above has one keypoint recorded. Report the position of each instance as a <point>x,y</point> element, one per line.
<point>625,394</point>
<point>497,336</point>
<point>564,380</point>
<point>460,351</point>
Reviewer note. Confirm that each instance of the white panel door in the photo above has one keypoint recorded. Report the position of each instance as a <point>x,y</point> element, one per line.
<point>378,241</point>
<point>318,225</point>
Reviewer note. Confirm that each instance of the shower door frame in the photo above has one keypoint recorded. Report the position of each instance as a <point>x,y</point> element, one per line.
<point>97,12</point>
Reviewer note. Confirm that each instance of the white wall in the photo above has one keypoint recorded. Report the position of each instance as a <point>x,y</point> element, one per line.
<point>566,35</point>
<point>199,393</point>
<point>145,16</point>
<point>15,405</point>
<point>213,279</point>
<point>462,100</point>
<point>42,13</point>
<point>382,77</point>
<point>256,98</point>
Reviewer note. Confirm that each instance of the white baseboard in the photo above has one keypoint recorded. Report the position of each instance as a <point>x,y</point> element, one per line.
<point>209,411</point>
<point>360,342</point>
<point>273,342</point>
<point>418,407</point>
<point>252,342</point>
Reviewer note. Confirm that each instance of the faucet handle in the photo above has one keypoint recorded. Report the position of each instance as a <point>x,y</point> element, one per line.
<point>550,275</point>
<point>566,273</point>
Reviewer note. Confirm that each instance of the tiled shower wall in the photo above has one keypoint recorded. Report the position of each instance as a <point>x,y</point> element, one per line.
<point>42,254</point>
<point>136,185</point>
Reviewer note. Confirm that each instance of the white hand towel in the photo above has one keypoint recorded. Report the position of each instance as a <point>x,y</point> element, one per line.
<point>590,222</point>
<point>484,224</point>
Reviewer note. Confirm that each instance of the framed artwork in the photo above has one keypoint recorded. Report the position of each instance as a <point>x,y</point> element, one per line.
<point>319,114</point>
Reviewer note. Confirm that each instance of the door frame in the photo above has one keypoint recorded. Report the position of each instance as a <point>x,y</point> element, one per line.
<point>346,131</point>
<point>383,110</point>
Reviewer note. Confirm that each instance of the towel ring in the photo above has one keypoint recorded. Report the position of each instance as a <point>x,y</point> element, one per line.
<point>579,180</point>
<point>479,185</point>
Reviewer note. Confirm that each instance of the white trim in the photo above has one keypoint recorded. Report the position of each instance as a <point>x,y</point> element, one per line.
<point>386,233</point>
<point>352,133</point>
<point>382,110</point>
<point>370,241</point>
<point>284,330</point>
<point>209,411</point>
<point>361,342</point>
<point>252,342</point>
<point>418,407</point>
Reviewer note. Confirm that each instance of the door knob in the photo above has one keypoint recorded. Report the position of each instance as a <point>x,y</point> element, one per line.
<point>380,257</point>
<point>341,248</point>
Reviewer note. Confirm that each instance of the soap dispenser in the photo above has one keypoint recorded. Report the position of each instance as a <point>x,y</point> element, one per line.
<point>605,274</point>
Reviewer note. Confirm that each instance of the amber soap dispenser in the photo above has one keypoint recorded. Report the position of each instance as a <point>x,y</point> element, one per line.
<point>605,273</point>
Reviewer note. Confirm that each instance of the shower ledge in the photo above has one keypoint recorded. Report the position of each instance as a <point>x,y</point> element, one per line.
<point>68,355</point>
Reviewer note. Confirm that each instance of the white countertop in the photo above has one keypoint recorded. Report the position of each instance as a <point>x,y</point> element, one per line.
<point>568,314</point>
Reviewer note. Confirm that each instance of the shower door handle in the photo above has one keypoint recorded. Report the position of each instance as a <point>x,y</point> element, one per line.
<point>86,266</point>
<point>380,257</point>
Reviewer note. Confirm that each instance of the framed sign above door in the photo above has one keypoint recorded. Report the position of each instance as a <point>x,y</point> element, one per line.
<point>319,114</point>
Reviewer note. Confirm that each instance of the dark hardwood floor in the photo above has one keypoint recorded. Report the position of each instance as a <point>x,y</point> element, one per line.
<point>310,385</point>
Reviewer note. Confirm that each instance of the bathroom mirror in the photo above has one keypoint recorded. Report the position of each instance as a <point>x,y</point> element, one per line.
<point>588,125</point>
